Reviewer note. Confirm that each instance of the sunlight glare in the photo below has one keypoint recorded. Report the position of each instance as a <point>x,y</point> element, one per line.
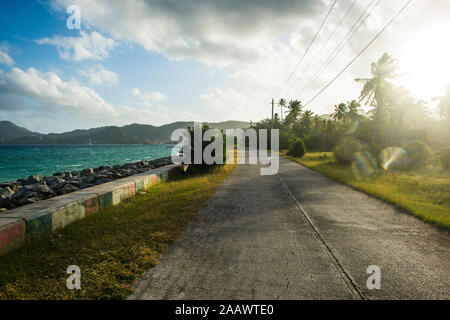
<point>424,62</point>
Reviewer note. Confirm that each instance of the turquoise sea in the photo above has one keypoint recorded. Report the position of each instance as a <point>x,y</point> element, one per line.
<point>21,161</point>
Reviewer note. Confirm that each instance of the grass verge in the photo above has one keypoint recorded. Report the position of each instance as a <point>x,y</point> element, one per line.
<point>424,194</point>
<point>113,247</point>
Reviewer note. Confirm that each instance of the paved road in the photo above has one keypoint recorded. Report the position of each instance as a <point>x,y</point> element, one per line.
<point>299,235</point>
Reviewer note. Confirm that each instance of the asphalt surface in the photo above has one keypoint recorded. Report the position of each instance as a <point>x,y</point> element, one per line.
<point>299,235</point>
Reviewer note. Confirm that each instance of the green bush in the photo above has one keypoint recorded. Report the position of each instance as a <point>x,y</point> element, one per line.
<point>347,148</point>
<point>297,148</point>
<point>285,139</point>
<point>445,158</point>
<point>314,142</point>
<point>418,153</point>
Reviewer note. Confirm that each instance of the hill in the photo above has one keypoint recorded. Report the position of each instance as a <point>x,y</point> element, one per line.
<point>9,130</point>
<point>129,134</point>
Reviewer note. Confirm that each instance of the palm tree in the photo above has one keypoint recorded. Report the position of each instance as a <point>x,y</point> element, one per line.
<point>282,103</point>
<point>340,112</point>
<point>375,89</point>
<point>317,122</point>
<point>294,110</point>
<point>353,108</point>
<point>307,119</point>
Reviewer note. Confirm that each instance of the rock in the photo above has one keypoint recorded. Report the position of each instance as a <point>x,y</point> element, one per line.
<point>87,172</point>
<point>88,179</point>
<point>67,175</point>
<point>86,185</point>
<point>55,182</point>
<point>35,178</point>
<point>143,163</point>
<point>102,172</point>
<point>125,172</point>
<point>42,189</point>
<point>68,188</point>
<point>26,196</point>
<point>100,180</point>
<point>7,203</point>
<point>32,193</point>
<point>21,181</point>
<point>74,181</point>
<point>6,193</point>
<point>13,185</point>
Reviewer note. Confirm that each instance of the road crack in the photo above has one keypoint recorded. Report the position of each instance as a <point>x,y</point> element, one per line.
<point>350,283</point>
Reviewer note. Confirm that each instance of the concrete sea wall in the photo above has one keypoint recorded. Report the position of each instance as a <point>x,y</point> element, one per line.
<point>31,221</point>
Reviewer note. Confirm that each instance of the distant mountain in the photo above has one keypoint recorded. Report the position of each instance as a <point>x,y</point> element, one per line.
<point>129,134</point>
<point>9,130</point>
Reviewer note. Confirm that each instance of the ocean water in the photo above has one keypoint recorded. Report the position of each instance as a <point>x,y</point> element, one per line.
<point>21,161</point>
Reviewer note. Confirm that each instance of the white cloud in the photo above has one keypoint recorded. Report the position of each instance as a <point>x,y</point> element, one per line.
<point>147,96</point>
<point>99,75</point>
<point>215,32</point>
<point>44,102</point>
<point>135,92</point>
<point>52,93</point>
<point>227,103</point>
<point>6,59</point>
<point>87,46</point>
<point>153,96</point>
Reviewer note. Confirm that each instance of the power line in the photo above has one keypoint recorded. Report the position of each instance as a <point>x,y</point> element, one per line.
<point>342,44</point>
<point>311,43</point>
<point>360,53</point>
<point>326,42</point>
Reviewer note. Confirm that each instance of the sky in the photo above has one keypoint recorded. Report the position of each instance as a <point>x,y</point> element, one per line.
<point>156,62</point>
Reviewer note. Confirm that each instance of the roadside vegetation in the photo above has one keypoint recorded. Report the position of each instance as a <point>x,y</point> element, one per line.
<point>423,192</point>
<point>114,247</point>
<point>394,149</point>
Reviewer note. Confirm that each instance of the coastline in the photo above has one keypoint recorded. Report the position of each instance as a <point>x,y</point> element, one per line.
<point>35,188</point>
<point>21,161</point>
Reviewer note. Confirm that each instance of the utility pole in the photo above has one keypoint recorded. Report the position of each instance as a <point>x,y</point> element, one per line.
<point>273,102</point>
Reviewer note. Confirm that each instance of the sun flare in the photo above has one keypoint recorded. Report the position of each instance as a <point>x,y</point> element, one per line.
<point>425,62</point>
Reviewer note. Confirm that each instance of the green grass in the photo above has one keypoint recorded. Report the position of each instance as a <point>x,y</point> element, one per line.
<point>112,247</point>
<point>425,193</point>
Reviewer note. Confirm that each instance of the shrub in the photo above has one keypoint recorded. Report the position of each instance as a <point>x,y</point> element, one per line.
<point>204,145</point>
<point>285,139</point>
<point>314,142</point>
<point>297,148</point>
<point>346,150</point>
<point>418,153</point>
<point>445,158</point>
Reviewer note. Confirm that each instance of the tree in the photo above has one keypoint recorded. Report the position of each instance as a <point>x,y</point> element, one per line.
<point>375,89</point>
<point>340,112</point>
<point>307,119</point>
<point>294,111</point>
<point>282,103</point>
<point>318,121</point>
<point>353,108</point>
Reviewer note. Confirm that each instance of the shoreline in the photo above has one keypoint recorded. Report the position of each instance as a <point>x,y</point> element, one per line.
<point>21,192</point>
